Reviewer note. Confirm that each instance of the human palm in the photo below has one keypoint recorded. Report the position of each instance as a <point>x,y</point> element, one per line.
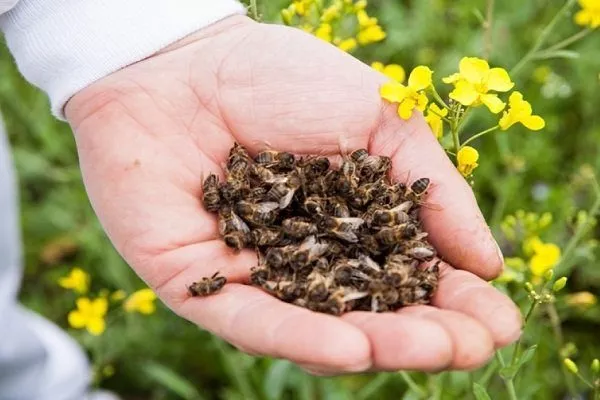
<point>147,135</point>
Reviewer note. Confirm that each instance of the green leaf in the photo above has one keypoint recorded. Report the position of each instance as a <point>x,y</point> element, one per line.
<point>480,392</point>
<point>171,380</point>
<point>510,371</point>
<point>527,355</point>
<point>276,379</point>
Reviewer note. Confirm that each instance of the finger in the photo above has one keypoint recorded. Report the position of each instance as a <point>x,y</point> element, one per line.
<point>472,342</point>
<point>258,323</point>
<point>465,293</point>
<point>404,341</point>
<point>458,230</point>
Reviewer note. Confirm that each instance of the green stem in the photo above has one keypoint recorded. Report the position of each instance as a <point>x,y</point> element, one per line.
<point>517,348</point>
<point>561,268</point>
<point>510,385</point>
<point>558,337</point>
<point>568,41</point>
<point>438,98</point>
<point>254,7</point>
<point>369,390</point>
<point>585,381</point>
<point>488,373</point>
<point>488,29</point>
<point>542,38</point>
<point>412,384</point>
<point>477,135</point>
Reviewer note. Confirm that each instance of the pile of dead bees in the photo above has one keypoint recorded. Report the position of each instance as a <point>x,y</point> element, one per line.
<point>331,240</point>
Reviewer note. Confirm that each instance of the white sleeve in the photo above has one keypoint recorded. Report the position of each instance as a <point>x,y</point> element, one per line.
<point>62,46</point>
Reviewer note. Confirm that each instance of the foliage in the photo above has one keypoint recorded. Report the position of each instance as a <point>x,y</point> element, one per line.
<point>548,48</point>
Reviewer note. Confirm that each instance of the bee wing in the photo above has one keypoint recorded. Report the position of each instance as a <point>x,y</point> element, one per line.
<point>368,262</point>
<point>287,199</point>
<point>354,296</point>
<point>346,235</point>
<point>354,222</point>
<point>317,250</point>
<point>238,223</point>
<point>403,207</point>
<point>267,207</point>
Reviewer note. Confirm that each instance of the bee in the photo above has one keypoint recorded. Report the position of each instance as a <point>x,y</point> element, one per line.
<point>313,167</point>
<point>280,160</point>
<point>368,244</point>
<point>265,175</point>
<point>298,227</point>
<point>207,286</point>
<point>342,228</point>
<point>307,252</point>
<point>318,287</point>
<point>368,265</point>
<point>323,185</point>
<point>397,274</point>
<point>283,192</point>
<point>360,155</point>
<point>237,240</point>
<point>238,155</point>
<point>429,279</point>
<point>417,190</point>
<point>375,167</point>
<point>229,221</point>
<point>346,272</point>
<point>277,257</point>
<point>391,195</point>
<point>339,208</point>
<point>417,249</point>
<point>257,194</point>
<point>260,214</point>
<point>365,194</point>
<point>322,265</point>
<point>287,291</point>
<point>397,234</point>
<point>394,216</point>
<point>338,302</point>
<point>348,180</point>
<point>259,275</point>
<point>210,193</point>
<point>315,205</point>
<point>263,236</point>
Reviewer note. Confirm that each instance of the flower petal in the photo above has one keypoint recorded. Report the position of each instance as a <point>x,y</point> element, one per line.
<point>84,305</point>
<point>395,72</point>
<point>422,101</point>
<point>76,319</point>
<point>467,155</point>
<point>96,326</point>
<point>506,121</point>
<point>465,93</point>
<point>473,69</point>
<point>534,122</point>
<point>406,108</point>
<point>583,17</point>
<point>393,92</point>
<point>499,80</point>
<point>452,78</point>
<point>99,306</point>
<point>493,103</point>
<point>420,78</point>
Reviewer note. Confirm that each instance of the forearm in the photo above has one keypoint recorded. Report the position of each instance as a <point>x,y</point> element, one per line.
<point>62,46</point>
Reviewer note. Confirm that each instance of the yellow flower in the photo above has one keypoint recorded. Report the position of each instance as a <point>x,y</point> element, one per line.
<point>332,12</point>
<point>545,256</point>
<point>287,14</point>
<point>78,280</point>
<point>590,13</point>
<point>434,119</point>
<point>392,71</point>
<point>360,5</point>
<point>89,315</point>
<point>347,44</point>
<point>141,301</point>
<point>581,299</point>
<point>467,160</point>
<point>301,6</point>
<point>519,110</point>
<point>475,80</point>
<point>324,32</point>
<point>411,96</point>
<point>369,29</point>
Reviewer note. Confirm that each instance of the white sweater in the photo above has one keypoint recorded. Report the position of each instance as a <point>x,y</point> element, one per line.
<point>62,46</point>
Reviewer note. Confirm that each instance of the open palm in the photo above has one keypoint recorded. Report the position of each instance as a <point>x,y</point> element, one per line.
<point>148,134</point>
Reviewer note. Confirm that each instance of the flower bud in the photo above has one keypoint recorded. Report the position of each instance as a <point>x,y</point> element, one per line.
<point>595,366</point>
<point>570,365</point>
<point>529,287</point>
<point>549,274</point>
<point>559,284</point>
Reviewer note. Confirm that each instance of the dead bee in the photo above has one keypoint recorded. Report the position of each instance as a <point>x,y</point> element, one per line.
<point>315,205</point>
<point>210,193</point>
<point>308,252</point>
<point>397,234</point>
<point>229,221</point>
<point>256,194</point>
<point>276,159</point>
<point>339,208</point>
<point>358,156</point>
<point>207,285</point>
<point>365,194</point>
<point>346,272</point>
<point>262,236</point>
<point>314,167</point>
<point>338,302</point>
<point>260,214</point>
<point>390,195</point>
<point>259,275</point>
<point>238,155</point>
<point>323,185</point>
<point>342,228</point>
<point>429,279</point>
<point>277,257</point>
<point>375,167</point>
<point>395,216</point>
<point>318,287</point>
<point>283,192</point>
<point>285,290</point>
<point>348,180</point>
<point>237,240</point>
<point>298,227</point>
<point>265,175</point>
<point>417,249</point>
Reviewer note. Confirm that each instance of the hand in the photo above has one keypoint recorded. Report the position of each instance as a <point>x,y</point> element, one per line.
<point>148,134</point>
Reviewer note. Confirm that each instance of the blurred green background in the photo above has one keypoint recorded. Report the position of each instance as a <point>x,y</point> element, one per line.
<point>164,357</point>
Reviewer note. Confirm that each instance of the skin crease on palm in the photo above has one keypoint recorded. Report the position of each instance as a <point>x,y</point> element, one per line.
<point>149,133</point>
